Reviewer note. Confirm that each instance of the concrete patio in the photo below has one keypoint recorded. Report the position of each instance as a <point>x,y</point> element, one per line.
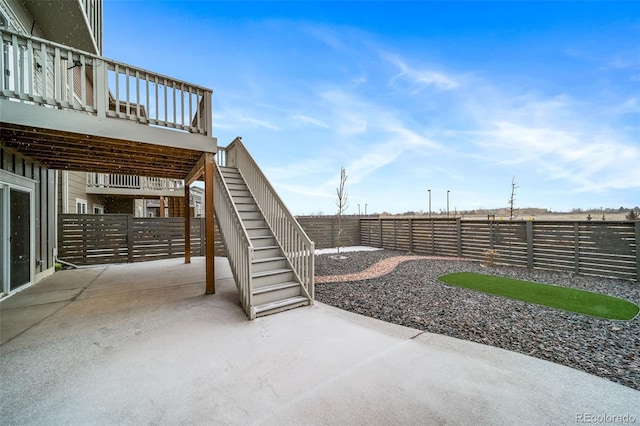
<point>141,344</point>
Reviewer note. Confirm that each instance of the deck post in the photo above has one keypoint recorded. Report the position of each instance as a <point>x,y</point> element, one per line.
<point>187,226</point>
<point>101,88</point>
<point>209,222</point>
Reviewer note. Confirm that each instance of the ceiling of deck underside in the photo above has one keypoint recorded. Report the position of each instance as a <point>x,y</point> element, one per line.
<point>79,152</point>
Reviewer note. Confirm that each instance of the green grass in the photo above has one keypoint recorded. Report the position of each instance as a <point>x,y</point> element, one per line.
<point>568,299</point>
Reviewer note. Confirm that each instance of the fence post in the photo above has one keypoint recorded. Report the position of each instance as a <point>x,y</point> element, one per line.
<point>637,226</point>
<point>459,236</point>
<point>395,234</point>
<point>491,236</point>
<point>529,244</point>
<point>410,235</point>
<point>380,230</point>
<point>576,247</point>
<point>433,237</point>
<point>130,237</point>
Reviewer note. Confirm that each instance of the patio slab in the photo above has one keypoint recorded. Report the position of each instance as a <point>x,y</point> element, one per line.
<point>168,354</point>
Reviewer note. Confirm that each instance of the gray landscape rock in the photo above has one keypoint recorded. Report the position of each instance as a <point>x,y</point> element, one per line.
<point>412,296</point>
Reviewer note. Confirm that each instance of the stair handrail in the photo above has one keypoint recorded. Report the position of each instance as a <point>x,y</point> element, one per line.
<point>296,245</point>
<point>236,239</point>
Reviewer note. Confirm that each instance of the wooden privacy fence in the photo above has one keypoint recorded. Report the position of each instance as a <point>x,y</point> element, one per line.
<point>323,230</point>
<point>89,239</point>
<point>586,247</point>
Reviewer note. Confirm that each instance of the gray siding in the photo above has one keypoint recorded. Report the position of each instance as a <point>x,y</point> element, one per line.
<point>77,188</point>
<point>44,200</point>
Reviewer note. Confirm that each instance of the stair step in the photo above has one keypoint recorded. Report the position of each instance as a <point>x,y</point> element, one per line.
<point>258,232</point>
<point>239,199</point>
<point>271,272</point>
<point>274,287</point>
<point>268,263</point>
<point>247,207</point>
<point>280,305</point>
<point>248,215</point>
<point>228,169</point>
<point>237,186</point>
<point>273,276</point>
<point>236,180</point>
<point>263,241</point>
<point>266,252</point>
<point>276,292</point>
<point>254,223</point>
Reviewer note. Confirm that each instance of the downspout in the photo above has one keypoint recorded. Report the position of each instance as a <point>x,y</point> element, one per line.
<point>65,192</point>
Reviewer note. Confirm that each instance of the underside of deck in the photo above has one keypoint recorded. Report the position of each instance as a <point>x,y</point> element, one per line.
<point>69,140</point>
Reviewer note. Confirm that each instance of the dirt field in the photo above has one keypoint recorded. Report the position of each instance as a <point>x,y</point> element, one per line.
<point>558,216</point>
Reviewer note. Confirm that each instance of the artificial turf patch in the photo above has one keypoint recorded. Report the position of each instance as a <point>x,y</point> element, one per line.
<point>568,299</point>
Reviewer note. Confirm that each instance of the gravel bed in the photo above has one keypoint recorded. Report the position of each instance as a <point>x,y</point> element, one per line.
<point>412,296</point>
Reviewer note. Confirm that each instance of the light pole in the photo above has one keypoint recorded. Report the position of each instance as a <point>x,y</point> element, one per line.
<point>448,202</point>
<point>429,203</point>
<point>365,209</point>
<point>358,209</point>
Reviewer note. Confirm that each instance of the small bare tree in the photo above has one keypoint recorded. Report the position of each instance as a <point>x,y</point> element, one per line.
<point>512,199</point>
<point>341,202</point>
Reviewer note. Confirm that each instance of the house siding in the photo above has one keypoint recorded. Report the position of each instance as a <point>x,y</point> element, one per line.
<point>19,18</point>
<point>44,201</point>
<point>77,188</point>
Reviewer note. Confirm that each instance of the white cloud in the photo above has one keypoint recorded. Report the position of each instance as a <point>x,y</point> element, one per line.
<point>421,78</point>
<point>259,123</point>
<point>312,121</point>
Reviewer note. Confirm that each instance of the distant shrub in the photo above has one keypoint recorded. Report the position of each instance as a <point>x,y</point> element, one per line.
<point>491,256</point>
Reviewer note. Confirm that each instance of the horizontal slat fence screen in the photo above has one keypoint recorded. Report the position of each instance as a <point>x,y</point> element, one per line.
<point>323,230</point>
<point>591,248</point>
<point>90,239</point>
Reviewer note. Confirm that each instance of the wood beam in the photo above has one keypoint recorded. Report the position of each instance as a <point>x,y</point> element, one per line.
<point>209,209</point>
<point>196,171</point>
<point>187,226</point>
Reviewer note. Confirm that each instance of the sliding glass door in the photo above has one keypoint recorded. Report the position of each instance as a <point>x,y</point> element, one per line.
<point>19,238</point>
<point>16,236</point>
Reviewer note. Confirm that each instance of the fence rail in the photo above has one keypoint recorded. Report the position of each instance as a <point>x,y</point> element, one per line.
<point>119,238</point>
<point>591,248</point>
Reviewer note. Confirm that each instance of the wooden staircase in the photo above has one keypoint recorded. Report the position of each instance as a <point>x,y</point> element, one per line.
<point>275,287</point>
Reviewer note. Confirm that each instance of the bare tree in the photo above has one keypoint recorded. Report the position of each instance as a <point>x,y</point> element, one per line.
<point>512,199</point>
<point>341,202</point>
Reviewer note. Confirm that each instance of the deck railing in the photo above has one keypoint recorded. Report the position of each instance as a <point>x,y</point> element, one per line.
<point>51,74</point>
<point>236,241</point>
<point>93,12</point>
<point>116,181</point>
<point>296,245</point>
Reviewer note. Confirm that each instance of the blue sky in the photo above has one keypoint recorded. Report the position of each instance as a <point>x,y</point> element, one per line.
<point>411,96</point>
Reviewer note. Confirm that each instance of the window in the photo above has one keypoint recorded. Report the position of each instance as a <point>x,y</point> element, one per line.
<point>81,206</point>
<point>98,209</point>
<point>4,22</point>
